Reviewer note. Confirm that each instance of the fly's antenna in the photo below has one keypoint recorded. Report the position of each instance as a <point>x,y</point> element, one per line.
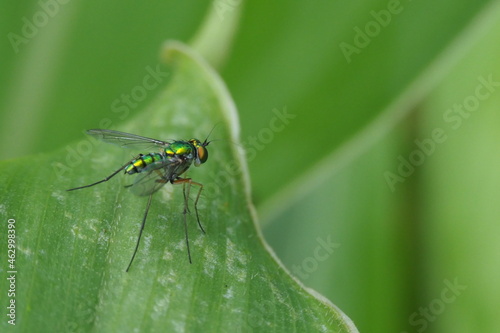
<point>206,142</point>
<point>228,141</point>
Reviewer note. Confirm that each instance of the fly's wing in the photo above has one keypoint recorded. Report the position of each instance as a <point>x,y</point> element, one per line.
<point>126,140</point>
<point>152,178</point>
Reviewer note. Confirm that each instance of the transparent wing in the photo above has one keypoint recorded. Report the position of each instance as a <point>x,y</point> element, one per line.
<point>126,140</point>
<point>152,178</point>
<point>147,182</point>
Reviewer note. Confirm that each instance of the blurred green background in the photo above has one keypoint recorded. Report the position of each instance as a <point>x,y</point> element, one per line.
<point>370,126</point>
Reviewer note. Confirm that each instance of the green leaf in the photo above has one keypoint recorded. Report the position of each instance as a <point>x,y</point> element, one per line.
<point>73,247</point>
<point>397,245</point>
<point>461,182</point>
<point>215,36</point>
<point>289,55</point>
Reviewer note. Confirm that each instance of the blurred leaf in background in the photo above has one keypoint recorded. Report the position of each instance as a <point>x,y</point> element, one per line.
<point>332,96</point>
<point>81,62</point>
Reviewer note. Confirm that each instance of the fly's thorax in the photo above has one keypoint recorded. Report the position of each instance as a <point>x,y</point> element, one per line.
<point>142,162</point>
<point>180,149</point>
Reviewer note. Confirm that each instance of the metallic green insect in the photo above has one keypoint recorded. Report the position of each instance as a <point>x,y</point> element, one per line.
<point>156,169</point>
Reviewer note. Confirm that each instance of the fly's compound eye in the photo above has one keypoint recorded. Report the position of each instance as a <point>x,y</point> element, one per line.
<point>202,155</point>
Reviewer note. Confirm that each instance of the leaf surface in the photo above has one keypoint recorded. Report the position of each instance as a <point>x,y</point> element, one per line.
<point>73,247</point>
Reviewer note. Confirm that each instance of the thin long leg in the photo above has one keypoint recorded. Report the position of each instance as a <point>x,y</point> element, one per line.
<point>189,182</point>
<point>140,232</point>
<point>196,204</point>
<point>185,230</point>
<point>107,178</point>
<point>186,210</point>
<point>186,196</point>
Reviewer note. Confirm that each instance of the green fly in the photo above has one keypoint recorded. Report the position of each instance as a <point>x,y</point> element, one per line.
<point>154,170</point>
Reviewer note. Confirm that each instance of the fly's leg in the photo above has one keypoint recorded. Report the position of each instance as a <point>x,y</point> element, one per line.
<point>186,198</point>
<point>143,222</point>
<point>107,178</point>
<point>196,203</point>
<point>140,232</point>
<point>186,210</point>
<point>189,182</point>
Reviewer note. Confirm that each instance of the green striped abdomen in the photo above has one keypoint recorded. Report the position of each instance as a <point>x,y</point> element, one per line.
<point>142,162</point>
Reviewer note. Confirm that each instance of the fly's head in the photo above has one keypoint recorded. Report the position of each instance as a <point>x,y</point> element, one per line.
<point>201,152</point>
